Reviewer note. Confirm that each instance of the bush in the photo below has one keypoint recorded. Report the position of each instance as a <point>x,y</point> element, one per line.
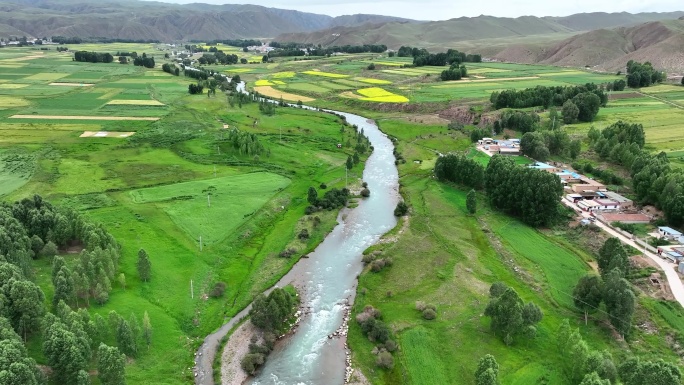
<point>287,253</point>
<point>401,209</point>
<point>390,345</point>
<point>420,306</point>
<point>368,258</point>
<point>218,290</point>
<point>365,193</point>
<point>251,362</point>
<point>303,235</point>
<point>310,210</point>
<point>364,185</point>
<point>378,265</point>
<point>385,360</point>
<point>429,314</point>
<point>323,186</point>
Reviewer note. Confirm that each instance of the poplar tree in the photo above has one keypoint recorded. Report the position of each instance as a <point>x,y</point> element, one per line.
<point>144,266</point>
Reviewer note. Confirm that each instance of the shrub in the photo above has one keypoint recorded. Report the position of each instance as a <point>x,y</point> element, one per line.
<point>310,210</point>
<point>287,253</point>
<point>364,185</point>
<point>251,362</point>
<point>365,193</point>
<point>420,306</point>
<point>303,235</point>
<point>385,360</point>
<point>377,265</point>
<point>368,258</point>
<point>401,209</point>
<point>390,345</point>
<point>218,290</point>
<point>323,186</point>
<point>429,314</point>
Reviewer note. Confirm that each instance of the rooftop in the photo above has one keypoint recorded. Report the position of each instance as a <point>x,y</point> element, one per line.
<point>606,202</point>
<point>669,230</point>
<point>626,218</point>
<point>540,165</point>
<point>616,197</point>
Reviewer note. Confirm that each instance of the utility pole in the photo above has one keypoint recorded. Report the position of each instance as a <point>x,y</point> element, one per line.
<point>214,171</point>
<point>346,172</point>
<point>281,135</point>
<point>192,290</point>
<point>218,149</point>
<point>208,200</point>
<point>200,243</point>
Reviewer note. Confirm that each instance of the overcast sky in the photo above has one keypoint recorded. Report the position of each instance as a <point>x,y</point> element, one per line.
<point>448,9</point>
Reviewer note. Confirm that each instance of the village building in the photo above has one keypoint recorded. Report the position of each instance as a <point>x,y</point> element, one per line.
<point>625,203</point>
<point>673,253</point>
<point>636,218</point>
<point>669,233</point>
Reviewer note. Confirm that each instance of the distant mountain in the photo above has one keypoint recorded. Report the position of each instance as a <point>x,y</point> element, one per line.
<point>132,19</point>
<point>441,34</point>
<point>660,42</point>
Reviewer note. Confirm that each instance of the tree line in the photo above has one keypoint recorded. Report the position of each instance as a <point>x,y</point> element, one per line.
<point>540,145</point>
<point>144,61</point>
<point>171,69</point>
<point>653,179</point>
<point>216,56</point>
<point>455,72</point>
<point>643,75</point>
<point>242,43</point>
<point>319,50</point>
<point>421,57</point>
<point>542,96</point>
<point>530,194</point>
<point>93,57</point>
<point>79,40</point>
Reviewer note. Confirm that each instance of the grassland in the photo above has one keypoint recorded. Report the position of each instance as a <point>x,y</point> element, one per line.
<point>448,258</point>
<point>150,189</point>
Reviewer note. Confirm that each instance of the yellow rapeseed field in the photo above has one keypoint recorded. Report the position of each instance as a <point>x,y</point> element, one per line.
<point>373,81</point>
<point>263,82</point>
<point>284,74</point>
<point>377,94</point>
<point>325,74</point>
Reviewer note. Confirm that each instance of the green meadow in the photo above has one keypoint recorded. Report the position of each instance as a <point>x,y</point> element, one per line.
<point>150,189</point>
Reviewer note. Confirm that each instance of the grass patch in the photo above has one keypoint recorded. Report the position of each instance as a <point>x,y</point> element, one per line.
<point>233,200</point>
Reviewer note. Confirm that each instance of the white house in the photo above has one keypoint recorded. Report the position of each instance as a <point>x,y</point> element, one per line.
<point>669,233</point>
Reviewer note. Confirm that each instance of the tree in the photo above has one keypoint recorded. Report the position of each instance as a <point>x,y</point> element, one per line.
<point>312,197</point>
<point>147,330</point>
<point>587,294</point>
<point>471,202</point>
<point>619,300</point>
<point>371,67</point>
<point>64,352</point>
<point>122,280</point>
<point>64,286</point>
<point>575,148</point>
<point>510,317</point>
<point>612,255</point>
<point>682,82</point>
<point>26,309</point>
<point>111,365</point>
<point>636,372</point>
<point>144,266</point>
<point>350,163</point>
<point>570,112</point>
<point>588,104</point>
<point>401,209</point>
<point>16,367</point>
<point>487,372</point>
<point>83,378</point>
<point>125,339</point>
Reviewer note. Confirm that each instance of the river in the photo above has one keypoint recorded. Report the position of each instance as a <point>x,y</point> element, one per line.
<point>327,280</point>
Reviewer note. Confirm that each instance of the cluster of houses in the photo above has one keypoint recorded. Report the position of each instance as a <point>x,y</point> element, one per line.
<point>500,146</point>
<point>593,197</point>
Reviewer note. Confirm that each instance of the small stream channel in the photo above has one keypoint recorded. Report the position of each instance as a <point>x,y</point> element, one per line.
<point>327,281</point>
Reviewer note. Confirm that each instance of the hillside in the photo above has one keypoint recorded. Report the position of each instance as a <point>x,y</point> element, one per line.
<point>659,42</point>
<point>440,34</point>
<point>131,19</point>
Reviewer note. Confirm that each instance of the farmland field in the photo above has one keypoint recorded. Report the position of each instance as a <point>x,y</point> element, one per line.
<point>131,149</point>
<point>213,208</point>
